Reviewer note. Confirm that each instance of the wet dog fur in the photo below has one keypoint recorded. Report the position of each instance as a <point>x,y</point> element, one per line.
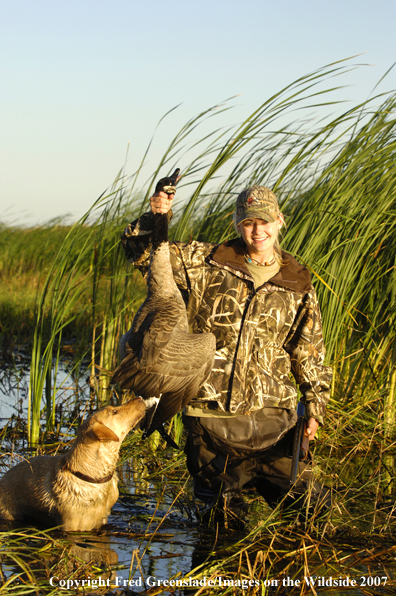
<point>61,489</point>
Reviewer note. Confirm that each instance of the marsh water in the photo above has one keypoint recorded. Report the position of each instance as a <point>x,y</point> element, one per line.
<point>153,532</point>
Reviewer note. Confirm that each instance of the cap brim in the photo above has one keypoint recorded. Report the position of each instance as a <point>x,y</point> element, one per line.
<point>265,215</point>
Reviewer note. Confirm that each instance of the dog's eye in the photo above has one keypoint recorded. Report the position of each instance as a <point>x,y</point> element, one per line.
<point>115,412</point>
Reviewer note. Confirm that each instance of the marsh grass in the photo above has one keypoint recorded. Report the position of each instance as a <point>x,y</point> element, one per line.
<point>355,539</point>
<point>27,255</point>
<point>40,556</point>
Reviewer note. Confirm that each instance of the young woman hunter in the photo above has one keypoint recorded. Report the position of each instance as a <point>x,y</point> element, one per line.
<point>260,304</point>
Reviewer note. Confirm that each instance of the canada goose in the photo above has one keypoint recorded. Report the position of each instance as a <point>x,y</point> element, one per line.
<point>162,359</point>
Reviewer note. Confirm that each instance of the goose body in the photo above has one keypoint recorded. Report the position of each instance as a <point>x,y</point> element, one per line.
<point>161,359</point>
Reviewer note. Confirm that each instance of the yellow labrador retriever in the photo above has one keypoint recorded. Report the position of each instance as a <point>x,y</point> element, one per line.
<point>77,489</point>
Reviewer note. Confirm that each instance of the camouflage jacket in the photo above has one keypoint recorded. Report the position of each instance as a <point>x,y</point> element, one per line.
<point>261,335</point>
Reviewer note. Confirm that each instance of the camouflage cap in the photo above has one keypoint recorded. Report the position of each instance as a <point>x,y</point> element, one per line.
<point>256,202</point>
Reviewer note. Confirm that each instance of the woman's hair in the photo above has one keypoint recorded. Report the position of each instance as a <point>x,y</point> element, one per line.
<point>278,253</point>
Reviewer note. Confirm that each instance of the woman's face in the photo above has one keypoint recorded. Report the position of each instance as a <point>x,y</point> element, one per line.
<point>259,236</point>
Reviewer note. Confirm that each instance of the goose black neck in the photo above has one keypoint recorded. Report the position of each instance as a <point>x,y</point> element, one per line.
<point>160,229</point>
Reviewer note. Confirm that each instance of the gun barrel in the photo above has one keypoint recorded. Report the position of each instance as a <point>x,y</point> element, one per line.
<point>300,443</point>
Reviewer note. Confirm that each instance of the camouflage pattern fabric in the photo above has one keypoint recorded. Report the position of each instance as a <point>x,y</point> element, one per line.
<point>256,201</point>
<point>262,336</point>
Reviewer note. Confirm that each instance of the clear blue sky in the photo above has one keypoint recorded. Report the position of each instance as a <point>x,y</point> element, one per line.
<point>81,78</point>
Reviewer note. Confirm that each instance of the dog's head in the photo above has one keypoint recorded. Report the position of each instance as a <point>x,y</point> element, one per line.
<point>113,423</point>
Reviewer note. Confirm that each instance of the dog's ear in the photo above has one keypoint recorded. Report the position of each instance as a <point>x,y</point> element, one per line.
<point>100,432</point>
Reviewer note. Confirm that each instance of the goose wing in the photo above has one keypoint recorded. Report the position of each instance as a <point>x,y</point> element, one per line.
<point>183,365</point>
<point>155,330</point>
<point>189,366</point>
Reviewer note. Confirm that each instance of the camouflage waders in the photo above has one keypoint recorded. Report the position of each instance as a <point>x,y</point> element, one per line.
<point>220,475</point>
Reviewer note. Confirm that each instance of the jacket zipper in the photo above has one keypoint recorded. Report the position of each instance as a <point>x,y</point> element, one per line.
<point>231,381</point>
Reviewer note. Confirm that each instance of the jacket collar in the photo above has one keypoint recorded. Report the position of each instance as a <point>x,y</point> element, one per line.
<point>292,275</point>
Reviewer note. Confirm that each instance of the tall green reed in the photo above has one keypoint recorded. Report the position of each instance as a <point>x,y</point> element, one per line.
<point>344,227</point>
<point>335,182</point>
<point>334,179</point>
<point>72,275</point>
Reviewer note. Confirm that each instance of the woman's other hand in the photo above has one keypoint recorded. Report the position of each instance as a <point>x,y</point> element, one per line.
<point>312,427</point>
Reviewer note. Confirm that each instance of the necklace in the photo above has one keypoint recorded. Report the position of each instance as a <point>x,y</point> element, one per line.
<point>249,259</point>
